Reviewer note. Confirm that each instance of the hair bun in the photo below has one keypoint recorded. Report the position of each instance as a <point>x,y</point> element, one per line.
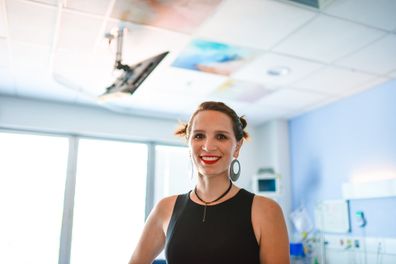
<point>243,121</point>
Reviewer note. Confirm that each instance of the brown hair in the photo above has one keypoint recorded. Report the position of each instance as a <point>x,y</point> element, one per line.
<point>238,123</point>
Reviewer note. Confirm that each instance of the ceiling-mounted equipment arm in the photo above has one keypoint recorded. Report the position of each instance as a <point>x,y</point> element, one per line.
<point>118,62</point>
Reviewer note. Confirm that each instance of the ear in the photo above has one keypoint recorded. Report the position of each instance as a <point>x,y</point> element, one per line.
<point>238,148</point>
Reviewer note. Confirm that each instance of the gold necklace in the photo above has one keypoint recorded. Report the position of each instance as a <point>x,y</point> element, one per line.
<point>215,200</point>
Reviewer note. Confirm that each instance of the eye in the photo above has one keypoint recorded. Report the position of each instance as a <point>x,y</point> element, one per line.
<point>221,137</point>
<point>198,136</point>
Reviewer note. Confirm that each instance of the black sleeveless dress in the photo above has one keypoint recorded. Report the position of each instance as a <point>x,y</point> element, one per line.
<point>226,236</point>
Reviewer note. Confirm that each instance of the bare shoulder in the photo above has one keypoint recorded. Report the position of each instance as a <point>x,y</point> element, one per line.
<point>270,230</point>
<point>265,206</point>
<point>266,213</point>
<point>163,210</point>
<point>167,202</point>
<point>164,207</point>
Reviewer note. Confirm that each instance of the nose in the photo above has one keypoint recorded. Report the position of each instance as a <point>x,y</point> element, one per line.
<point>209,145</point>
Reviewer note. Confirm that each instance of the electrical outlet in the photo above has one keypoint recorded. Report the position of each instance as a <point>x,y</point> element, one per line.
<point>356,243</point>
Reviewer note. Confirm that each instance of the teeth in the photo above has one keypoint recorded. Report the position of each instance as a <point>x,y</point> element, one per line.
<point>210,158</point>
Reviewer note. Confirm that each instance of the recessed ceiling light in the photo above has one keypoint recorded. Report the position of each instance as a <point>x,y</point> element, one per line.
<point>278,71</point>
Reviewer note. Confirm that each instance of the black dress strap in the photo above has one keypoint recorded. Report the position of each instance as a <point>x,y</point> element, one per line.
<point>180,204</point>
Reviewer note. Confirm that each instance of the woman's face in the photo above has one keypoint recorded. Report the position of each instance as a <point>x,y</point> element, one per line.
<point>212,143</point>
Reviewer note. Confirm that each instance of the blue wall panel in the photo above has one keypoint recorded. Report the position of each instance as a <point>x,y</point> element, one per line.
<point>330,144</point>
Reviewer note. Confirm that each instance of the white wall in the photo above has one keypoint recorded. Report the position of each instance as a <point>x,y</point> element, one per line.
<point>273,151</point>
<point>91,121</point>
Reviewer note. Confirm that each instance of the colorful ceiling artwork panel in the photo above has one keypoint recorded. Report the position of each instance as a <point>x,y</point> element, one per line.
<point>178,15</point>
<point>241,91</point>
<point>213,57</point>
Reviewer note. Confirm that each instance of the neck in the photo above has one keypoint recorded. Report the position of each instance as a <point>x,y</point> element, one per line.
<point>212,191</point>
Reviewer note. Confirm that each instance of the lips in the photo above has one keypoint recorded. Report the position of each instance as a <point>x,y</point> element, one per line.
<point>209,159</point>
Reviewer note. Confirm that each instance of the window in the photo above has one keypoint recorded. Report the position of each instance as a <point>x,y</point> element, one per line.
<point>32,182</point>
<point>109,196</point>
<point>173,171</point>
<point>109,201</point>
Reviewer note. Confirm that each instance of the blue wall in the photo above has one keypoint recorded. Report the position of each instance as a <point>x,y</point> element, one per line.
<point>328,145</point>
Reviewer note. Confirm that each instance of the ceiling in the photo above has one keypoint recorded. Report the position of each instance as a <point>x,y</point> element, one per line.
<point>341,49</point>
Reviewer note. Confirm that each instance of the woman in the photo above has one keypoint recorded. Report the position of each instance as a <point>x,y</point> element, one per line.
<point>217,222</point>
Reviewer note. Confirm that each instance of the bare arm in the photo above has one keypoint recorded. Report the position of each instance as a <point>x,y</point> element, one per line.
<point>270,229</point>
<point>152,240</point>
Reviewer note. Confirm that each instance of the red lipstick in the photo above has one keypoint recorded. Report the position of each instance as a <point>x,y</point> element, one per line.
<point>210,159</point>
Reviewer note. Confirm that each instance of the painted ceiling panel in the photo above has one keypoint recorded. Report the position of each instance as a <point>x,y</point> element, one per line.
<point>177,15</point>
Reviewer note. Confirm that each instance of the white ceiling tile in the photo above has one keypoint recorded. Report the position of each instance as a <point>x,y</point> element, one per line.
<point>182,82</point>
<point>27,57</point>
<point>292,99</point>
<point>332,80</point>
<point>260,113</point>
<point>48,2</point>
<point>78,32</point>
<point>4,53</point>
<point>379,57</point>
<point>378,13</point>
<point>142,42</point>
<point>257,70</point>
<point>39,84</point>
<point>88,72</point>
<point>31,22</point>
<point>167,103</point>
<point>327,39</point>
<point>3,27</point>
<point>6,82</point>
<point>368,85</point>
<point>98,7</point>
<point>326,101</point>
<point>255,23</point>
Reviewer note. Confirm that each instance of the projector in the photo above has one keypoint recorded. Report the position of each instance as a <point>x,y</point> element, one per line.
<point>133,76</point>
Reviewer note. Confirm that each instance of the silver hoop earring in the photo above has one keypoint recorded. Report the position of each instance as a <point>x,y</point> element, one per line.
<point>235,170</point>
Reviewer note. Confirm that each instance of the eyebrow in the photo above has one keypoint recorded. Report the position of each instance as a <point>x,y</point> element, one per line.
<point>216,131</point>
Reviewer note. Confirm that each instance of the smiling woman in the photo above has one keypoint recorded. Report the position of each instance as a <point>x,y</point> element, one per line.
<point>218,222</point>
